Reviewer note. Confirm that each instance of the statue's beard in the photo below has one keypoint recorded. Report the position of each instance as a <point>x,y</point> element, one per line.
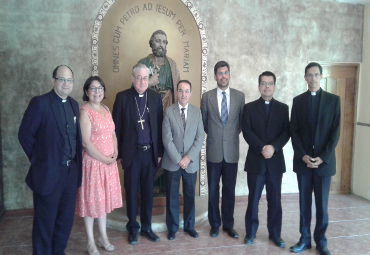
<point>159,52</point>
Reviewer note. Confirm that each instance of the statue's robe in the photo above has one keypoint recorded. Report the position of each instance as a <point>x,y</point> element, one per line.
<point>168,78</point>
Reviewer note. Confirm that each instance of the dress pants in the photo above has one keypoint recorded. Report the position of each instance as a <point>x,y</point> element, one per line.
<point>172,199</point>
<point>320,185</point>
<point>273,195</point>
<point>54,214</point>
<point>228,172</point>
<point>140,175</point>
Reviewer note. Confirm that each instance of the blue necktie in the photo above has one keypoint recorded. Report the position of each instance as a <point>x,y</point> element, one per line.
<point>224,113</point>
<point>183,117</point>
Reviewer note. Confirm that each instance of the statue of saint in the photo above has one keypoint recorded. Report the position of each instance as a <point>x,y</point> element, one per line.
<point>164,76</point>
<point>163,70</point>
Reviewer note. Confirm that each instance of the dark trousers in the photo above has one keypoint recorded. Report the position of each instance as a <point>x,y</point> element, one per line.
<point>140,175</point>
<point>273,195</point>
<point>172,199</point>
<point>228,172</point>
<point>320,185</point>
<point>54,214</point>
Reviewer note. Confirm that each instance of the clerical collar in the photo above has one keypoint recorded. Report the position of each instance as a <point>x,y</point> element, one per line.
<point>314,93</point>
<point>58,98</point>
<point>266,102</point>
<point>140,95</point>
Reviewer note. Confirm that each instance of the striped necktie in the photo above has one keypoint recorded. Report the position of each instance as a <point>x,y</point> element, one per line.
<point>183,117</point>
<point>224,113</point>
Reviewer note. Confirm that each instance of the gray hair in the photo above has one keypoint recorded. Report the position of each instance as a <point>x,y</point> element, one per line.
<point>139,66</point>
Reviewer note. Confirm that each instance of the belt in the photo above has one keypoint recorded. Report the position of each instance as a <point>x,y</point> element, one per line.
<point>68,162</point>
<point>144,148</point>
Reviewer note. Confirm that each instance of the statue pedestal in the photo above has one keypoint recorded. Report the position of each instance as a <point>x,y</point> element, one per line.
<point>159,205</point>
<point>118,218</point>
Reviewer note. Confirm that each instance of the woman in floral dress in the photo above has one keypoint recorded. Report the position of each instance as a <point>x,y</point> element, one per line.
<point>100,191</point>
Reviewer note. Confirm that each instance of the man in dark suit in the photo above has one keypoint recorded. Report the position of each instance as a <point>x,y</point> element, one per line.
<point>138,115</point>
<point>50,136</point>
<point>315,128</point>
<point>222,110</point>
<point>265,127</point>
<point>183,136</point>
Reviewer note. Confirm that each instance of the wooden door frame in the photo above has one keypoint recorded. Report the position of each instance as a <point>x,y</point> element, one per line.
<point>346,187</point>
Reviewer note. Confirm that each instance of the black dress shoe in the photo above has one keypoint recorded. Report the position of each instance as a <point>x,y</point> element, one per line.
<point>231,232</point>
<point>150,235</point>
<point>299,247</point>
<point>132,238</point>
<point>248,240</point>
<point>171,235</point>
<point>278,242</point>
<point>323,251</point>
<point>192,233</point>
<point>213,232</point>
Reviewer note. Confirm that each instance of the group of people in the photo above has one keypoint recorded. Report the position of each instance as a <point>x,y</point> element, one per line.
<point>314,129</point>
<point>74,155</point>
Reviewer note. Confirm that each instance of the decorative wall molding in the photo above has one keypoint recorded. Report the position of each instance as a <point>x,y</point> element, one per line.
<point>95,35</point>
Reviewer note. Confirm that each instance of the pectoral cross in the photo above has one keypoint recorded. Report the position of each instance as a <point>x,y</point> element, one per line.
<point>141,122</point>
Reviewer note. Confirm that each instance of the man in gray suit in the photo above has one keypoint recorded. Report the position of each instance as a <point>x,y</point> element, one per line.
<point>183,136</point>
<point>222,110</point>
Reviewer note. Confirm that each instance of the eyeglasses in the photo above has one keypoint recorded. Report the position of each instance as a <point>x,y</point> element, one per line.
<point>316,75</point>
<point>271,83</point>
<point>140,78</point>
<point>184,91</point>
<point>94,89</point>
<point>63,80</point>
<point>225,73</point>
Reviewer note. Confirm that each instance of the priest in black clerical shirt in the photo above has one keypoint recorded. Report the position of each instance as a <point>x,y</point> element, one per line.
<point>265,126</point>
<point>50,136</point>
<point>138,115</point>
<point>315,128</point>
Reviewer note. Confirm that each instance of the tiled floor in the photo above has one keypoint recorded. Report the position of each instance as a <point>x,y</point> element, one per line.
<point>348,233</point>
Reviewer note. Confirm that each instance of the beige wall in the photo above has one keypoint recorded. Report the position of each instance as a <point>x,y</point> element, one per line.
<point>361,170</point>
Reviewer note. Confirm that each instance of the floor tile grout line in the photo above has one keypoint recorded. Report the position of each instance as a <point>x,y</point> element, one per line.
<point>337,237</point>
